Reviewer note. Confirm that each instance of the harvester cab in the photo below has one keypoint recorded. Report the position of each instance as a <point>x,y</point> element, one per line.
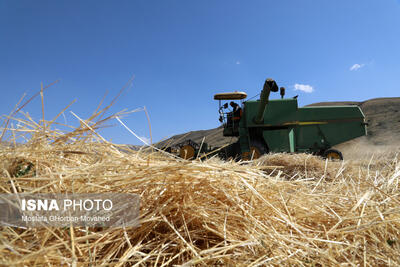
<point>279,125</point>
<point>230,118</point>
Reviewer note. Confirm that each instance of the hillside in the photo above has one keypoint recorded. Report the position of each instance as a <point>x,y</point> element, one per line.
<point>382,114</point>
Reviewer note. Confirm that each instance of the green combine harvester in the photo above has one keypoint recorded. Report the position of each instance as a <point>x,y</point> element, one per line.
<point>264,126</point>
<point>281,126</point>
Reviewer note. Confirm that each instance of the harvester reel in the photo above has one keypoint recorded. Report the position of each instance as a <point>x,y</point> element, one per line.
<point>187,151</point>
<point>333,154</point>
<point>257,149</point>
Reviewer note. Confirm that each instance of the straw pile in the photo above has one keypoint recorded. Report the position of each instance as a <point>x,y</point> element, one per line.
<point>279,210</point>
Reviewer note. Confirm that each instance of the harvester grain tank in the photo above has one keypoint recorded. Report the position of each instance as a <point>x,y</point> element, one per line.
<point>281,126</point>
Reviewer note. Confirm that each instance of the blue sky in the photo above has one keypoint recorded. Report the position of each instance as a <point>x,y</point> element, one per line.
<point>183,52</point>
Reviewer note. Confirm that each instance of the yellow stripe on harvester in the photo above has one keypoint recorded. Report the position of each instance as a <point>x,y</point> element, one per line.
<point>305,123</point>
<point>312,122</point>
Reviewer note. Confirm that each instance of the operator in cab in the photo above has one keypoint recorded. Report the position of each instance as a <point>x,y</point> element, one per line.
<point>236,111</point>
<point>236,114</point>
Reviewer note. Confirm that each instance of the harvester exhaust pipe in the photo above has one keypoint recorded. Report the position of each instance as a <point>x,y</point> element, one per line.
<point>282,92</point>
<point>269,85</point>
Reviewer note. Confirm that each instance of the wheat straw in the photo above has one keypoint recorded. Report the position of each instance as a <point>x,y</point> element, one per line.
<point>283,209</point>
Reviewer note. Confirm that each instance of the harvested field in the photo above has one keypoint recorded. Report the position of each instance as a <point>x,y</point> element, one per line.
<point>279,210</point>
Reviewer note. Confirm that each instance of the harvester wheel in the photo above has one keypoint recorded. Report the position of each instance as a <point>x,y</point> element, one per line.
<point>186,152</point>
<point>333,154</point>
<point>257,149</point>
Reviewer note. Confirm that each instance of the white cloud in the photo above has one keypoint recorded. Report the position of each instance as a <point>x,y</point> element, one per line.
<point>303,87</point>
<point>356,67</point>
<point>237,62</point>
